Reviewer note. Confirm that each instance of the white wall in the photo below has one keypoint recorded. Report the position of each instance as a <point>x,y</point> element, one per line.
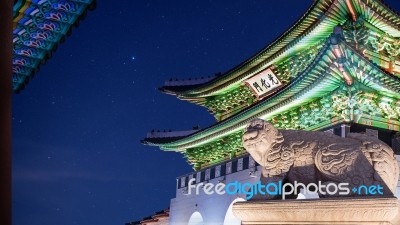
<point>213,208</point>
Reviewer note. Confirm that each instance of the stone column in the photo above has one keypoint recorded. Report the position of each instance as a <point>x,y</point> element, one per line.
<point>6,16</point>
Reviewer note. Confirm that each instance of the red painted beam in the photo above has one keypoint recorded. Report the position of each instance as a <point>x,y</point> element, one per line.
<point>351,10</point>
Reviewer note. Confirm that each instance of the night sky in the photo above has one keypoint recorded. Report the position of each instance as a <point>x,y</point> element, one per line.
<point>77,126</point>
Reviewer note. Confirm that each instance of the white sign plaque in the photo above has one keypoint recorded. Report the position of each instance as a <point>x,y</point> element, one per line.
<point>263,83</point>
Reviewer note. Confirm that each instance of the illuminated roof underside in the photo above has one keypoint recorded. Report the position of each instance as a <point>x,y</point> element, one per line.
<point>39,25</point>
<point>316,24</point>
<point>339,63</point>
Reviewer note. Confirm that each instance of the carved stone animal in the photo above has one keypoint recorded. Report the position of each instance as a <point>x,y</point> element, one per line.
<point>310,157</point>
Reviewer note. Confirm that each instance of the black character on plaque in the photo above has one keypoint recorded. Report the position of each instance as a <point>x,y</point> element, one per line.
<point>273,79</point>
<point>257,87</point>
<point>265,84</point>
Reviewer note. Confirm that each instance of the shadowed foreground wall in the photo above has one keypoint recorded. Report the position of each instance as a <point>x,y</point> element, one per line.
<point>5,110</point>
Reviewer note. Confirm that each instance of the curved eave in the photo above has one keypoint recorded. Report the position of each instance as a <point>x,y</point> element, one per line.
<point>317,22</point>
<point>371,75</point>
<point>312,83</point>
<point>160,141</point>
<point>380,15</point>
<point>172,90</point>
<point>319,79</point>
<point>26,58</point>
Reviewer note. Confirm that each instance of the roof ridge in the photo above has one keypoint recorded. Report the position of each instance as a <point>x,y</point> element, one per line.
<point>277,92</point>
<point>270,45</point>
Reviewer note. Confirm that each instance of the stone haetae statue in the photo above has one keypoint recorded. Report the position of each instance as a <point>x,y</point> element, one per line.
<point>310,157</point>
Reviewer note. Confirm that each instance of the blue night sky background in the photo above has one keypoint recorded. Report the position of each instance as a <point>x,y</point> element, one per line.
<point>77,126</point>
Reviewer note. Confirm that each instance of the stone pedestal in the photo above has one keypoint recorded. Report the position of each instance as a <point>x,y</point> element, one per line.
<point>360,211</point>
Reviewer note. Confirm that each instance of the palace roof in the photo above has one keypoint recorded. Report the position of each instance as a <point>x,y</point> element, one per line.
<point>316,81</point>
<point>39,26</point>
<point>339,63</point>
<point>315,25</point>
<point>159,218</point>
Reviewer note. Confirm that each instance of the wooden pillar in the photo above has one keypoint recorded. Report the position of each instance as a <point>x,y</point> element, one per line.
<point>6,16</point>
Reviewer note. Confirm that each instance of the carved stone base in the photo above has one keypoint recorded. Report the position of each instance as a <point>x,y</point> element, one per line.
<point>360,211</point>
